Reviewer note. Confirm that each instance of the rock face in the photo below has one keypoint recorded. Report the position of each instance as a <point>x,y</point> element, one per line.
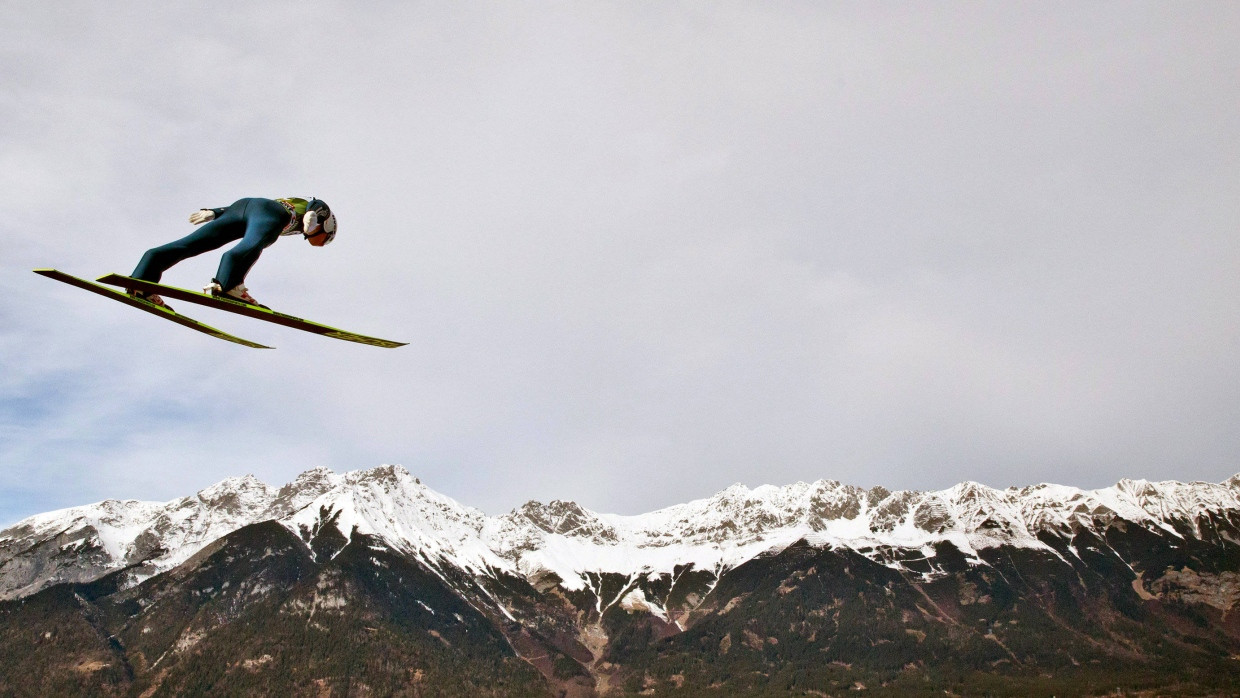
<point>776,589</point>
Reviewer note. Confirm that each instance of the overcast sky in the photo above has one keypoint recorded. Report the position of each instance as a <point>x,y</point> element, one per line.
<point>640,250</point>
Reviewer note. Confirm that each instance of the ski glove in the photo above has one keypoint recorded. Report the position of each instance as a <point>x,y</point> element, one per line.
<point>202,215</point>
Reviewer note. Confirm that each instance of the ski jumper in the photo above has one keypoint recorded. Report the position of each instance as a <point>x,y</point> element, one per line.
<point>257,223</point>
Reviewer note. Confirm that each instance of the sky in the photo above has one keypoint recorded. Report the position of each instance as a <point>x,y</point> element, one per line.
<point>640,250</point>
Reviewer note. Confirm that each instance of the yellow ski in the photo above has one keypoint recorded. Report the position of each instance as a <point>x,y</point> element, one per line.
<point>147,306</point>
<point>254,311</point>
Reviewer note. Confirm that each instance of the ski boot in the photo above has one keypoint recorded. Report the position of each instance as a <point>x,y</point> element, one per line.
<point>236,293</point>
<point>150,298</point>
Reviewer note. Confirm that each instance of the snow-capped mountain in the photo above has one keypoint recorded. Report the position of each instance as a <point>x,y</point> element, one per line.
<point>83,543</point>
<point>370,578</point>
<point>572,542</point>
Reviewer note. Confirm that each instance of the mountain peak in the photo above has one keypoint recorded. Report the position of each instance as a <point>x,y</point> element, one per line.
<point>384,473</point>
<point>735,491</point>
<point>317,477</point>
<point>232,484</point>
<point>236,493</point>
<point>1137,488</point>
<point>566,519</point>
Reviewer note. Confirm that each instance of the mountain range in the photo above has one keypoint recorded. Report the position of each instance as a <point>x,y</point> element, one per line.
<point>370,582</point>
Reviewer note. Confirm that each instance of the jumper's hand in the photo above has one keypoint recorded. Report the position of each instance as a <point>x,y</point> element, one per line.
<point>202,215</point>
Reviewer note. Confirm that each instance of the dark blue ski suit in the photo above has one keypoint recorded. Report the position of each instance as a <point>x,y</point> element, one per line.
<point>257,223</point>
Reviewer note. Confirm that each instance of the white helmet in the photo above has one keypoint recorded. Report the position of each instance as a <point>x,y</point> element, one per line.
<point>319,223</point>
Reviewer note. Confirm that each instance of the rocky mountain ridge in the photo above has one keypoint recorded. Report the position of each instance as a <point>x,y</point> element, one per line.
<point>371,582</point>
<point>720,532</point>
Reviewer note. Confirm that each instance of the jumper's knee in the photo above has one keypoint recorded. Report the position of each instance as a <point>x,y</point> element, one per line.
<point>235,264</point>
<point>155,262</point>
<point>155,255</point>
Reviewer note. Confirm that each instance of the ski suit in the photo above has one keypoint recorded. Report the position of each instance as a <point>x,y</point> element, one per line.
<point>257,223</point>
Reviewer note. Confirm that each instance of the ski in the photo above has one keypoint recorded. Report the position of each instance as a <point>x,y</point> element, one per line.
<point>253,311</point>
<point>147,306</point>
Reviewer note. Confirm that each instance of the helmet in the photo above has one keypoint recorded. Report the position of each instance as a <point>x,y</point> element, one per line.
<point>319,224</point>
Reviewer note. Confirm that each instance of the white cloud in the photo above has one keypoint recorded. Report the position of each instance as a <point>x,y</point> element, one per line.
<point>639,251</point>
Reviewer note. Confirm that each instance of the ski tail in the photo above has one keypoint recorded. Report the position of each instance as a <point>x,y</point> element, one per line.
<point>147,306</point>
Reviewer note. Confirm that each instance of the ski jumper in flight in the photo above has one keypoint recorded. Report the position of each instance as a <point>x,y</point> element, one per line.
<point>257,223</point>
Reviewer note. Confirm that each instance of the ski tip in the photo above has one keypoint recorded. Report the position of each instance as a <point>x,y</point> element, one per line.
<point>55,274</point>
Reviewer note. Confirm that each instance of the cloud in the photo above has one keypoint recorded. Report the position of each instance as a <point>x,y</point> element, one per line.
<point>639,251</point>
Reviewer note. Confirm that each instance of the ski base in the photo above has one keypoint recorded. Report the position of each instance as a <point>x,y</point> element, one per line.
<point>253,311</point>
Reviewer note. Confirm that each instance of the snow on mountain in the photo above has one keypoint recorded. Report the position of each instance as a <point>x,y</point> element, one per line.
<point>716,533</point>
<point>86,542</point>
<point>390,504</point>
<point>723,531</point>
<point>571,542</point>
